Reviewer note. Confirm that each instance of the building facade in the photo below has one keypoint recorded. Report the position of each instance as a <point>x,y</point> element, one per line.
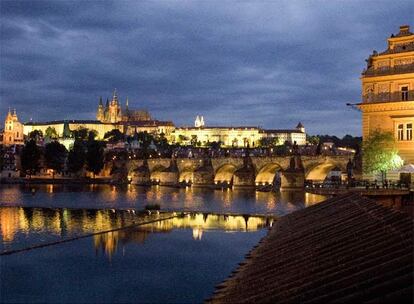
<point>13,133</point>
<point>388,92</point>
<point>241,136</point>
<point>297,135</point>
<point>109,117</point>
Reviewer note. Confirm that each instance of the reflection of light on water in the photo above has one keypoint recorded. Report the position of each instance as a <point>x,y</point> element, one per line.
<point>197,233</point>
<point>197,222</point>
<point>312,199</point>
<point>107,242</point>
<point>59,222</point>
<point>9,223</point>
<point>50,188</point>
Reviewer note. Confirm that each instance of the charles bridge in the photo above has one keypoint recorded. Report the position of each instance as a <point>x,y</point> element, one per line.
<point>289,172</point>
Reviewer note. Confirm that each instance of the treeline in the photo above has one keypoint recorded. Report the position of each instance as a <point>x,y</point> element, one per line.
<point>86,152</point>
<point>348,141</point>
<point>54,156</point>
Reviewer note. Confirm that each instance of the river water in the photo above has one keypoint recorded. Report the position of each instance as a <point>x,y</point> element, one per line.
<point>173,199</point>
<point>66,244</point>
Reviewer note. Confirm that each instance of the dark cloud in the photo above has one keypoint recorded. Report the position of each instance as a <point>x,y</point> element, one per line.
<point>269,64</point>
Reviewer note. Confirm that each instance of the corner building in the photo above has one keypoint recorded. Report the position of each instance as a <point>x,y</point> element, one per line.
<point>388,92</point>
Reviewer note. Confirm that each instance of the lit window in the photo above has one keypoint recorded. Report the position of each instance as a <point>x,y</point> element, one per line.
<point>400,132</point>
<point>404,93</point>
<point>409,131</point>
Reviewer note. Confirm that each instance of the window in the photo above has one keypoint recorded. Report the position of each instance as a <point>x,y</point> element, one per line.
<point>400,132</point>
<point>409,131</point>
<point>404,93</point>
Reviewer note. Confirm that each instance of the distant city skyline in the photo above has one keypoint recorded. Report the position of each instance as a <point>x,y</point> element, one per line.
<point>262,64</point>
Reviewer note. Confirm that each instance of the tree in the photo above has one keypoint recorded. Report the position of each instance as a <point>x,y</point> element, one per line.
<point>194,140</point>
<point>76,157</point>
<point>51,132</point>
<point>145,139</point>
<point>2,152</point>
<point>92,134</point>
<point>215,145</point>
<point>319,148</point>
<point>36,134</point>
<point>182,138</point>
<point>114,136</point>
<point>268,142</point>
<point>162,142</point>
<point>312,139</point>
<point>81,133</point>
<point>55,156</point>
<point>95,157</point>
<point>380,154</point>
<point>30,158</point>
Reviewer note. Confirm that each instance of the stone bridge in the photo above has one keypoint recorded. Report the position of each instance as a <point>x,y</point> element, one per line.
<point>291,172</point>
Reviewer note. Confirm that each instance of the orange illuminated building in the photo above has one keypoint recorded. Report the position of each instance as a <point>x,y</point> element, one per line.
<point>388,92</point>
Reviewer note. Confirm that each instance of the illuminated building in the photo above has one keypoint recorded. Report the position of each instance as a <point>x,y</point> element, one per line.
<point>109,117</point>
<point>129,122</point>
<point>241,136</point>
<point>388,92</point>
<point>13,130</point>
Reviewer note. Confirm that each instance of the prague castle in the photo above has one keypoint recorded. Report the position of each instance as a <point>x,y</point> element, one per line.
<point>238,136</point>
<point>129,121</point>
<point>108,117</point>
<point>388,92</point>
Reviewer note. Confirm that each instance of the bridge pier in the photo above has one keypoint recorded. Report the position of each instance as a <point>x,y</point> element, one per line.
<point>293,178</point>
<point>245,176</point>
<point>169,176</point>
<point>204,175</point>
<point>141,175</point>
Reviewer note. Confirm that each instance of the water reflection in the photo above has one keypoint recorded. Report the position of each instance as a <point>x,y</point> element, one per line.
<point>198,222</point>
<point>129,196</point>
<point>23,226</point>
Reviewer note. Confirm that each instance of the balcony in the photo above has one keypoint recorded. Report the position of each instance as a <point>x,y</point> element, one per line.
<point>398,69</point>
<point>389,97</point>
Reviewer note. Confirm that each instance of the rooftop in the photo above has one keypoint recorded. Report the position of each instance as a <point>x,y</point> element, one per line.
<point>346,249</point>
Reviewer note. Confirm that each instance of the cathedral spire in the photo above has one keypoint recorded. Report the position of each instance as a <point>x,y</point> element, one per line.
<point>115,96</point>
<point>100,101</point>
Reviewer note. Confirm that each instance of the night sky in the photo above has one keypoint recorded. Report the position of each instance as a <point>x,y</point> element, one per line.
<point>268,64</point>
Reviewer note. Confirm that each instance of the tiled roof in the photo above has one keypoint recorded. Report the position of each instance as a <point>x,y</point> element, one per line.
<point>346,249</point>
<point>283,131</point>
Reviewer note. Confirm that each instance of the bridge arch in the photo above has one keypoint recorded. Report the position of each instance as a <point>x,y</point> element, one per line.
<point>225,174</point>
<point>155,173</point>
<point>320,171</point>
<point>268,173</point>
<point>186,175</point>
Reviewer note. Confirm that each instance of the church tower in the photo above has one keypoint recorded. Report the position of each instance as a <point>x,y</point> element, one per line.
<point>13,130</point>
<point>100,115</point>
<point>115,112</point>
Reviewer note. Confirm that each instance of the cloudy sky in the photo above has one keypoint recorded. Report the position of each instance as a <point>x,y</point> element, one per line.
<point>268,63</point>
